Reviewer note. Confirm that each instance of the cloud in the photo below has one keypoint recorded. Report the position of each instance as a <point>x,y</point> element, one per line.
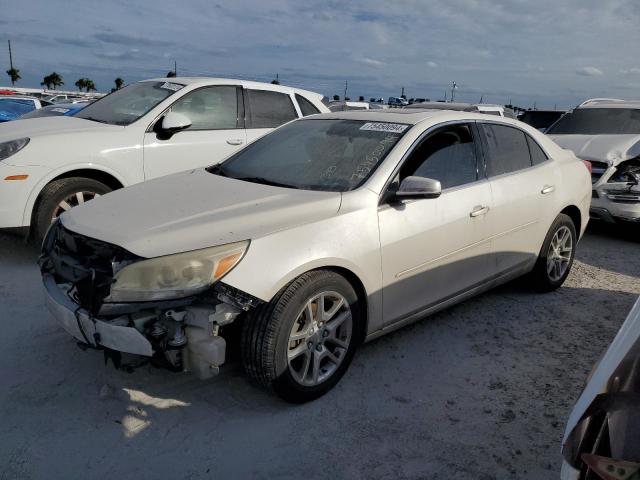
<point>630,71</point>
<point>589,72</point>
<point>371,61</point>
<point>432,64</point>
<point>123,39</point>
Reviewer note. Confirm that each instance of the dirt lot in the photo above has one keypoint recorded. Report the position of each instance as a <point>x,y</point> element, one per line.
<point>480,391</point>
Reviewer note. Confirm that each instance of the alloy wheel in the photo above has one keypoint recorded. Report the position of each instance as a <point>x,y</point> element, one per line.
<point>72,200</point>
<point>559,255</point>
<point>320,338</point>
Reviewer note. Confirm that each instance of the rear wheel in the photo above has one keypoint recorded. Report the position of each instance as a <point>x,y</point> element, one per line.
<point>302,342</point>
<point>62,195</point>
<point>556,256</point>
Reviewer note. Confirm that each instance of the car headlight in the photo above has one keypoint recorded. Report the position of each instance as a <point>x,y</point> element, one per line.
<point>627,172</point>
<point>175,276</point>
<point>12,147</point>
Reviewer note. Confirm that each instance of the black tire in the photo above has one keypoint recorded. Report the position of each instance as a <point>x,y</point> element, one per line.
<point>540,277</point>
<point>265,336</point>
<point>54,193</point>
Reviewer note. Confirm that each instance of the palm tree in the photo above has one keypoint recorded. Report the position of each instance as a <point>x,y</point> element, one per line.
<point>14,73</point>
<point>81,83</point>
<point>89,85</point>
<point>119,83</point>
<point>52,80</point>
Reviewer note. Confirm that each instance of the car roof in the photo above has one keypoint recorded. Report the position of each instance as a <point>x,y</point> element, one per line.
<point>633,104</point>
<point>411,116</point>
<point>204,81</point>
<point>17,97</point>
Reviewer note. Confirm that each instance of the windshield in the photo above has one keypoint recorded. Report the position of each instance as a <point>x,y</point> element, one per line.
<point>127,105</point>
<point>327,155</point>
<point>598,121</point>
<point>11,108</point>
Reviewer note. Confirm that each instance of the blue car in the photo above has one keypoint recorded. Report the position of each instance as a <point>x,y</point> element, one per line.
<point>56,110</point>
<point>12,106</point>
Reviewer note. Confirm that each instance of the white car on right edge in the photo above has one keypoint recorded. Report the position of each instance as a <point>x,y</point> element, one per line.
<point>606,132</point>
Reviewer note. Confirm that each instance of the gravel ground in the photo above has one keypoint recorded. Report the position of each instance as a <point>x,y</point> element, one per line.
<point>480,391</point>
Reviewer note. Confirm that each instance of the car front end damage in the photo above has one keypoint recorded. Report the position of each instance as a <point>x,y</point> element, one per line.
<point>93,295</point>
<point>616,191</point>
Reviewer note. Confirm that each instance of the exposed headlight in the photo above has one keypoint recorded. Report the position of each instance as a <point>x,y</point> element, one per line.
<point>14,146</point>
<point>627,172</point>
<point>175,276</point>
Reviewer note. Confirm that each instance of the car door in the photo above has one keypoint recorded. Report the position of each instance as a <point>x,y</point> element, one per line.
<point>216,131</point>
<point>523,192</point>
<point>434,249</point>
<point>266,110</point>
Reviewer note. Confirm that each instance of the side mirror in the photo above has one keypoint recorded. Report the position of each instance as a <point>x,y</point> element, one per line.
<point>174,122</point>
<point>419,187</point>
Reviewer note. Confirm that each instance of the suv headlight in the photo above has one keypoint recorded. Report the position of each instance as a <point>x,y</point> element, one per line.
<point>628,172</point>
<point>12,147</point>
<point>175,276</point>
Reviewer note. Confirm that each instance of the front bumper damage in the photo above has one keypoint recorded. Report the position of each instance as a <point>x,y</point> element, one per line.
<point>181,335</point>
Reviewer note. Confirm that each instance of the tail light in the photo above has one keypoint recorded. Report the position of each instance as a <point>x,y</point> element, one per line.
<point>587,164</point>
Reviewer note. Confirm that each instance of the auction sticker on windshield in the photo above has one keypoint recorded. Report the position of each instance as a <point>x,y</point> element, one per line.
<point>384,127</point>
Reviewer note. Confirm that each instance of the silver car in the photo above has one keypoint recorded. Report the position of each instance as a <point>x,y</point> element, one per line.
<point>332,230</point>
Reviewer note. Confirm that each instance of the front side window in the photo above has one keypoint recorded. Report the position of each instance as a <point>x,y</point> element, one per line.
<point>306,107</point>
<point>128,104</point>
<point>598,121</point>
<point>269,109</point>
<point>447,155</point>
<point>326,155</point>
<point>506,149</point>
<point>210,108</point>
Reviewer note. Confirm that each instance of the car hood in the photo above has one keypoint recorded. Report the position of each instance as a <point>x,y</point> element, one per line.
<point>624,341</point>
<point>195,209</point>
<point>612,149</point>
<point>34,127</point>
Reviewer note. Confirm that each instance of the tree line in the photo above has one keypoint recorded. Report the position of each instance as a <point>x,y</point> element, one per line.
<point>54,80</point>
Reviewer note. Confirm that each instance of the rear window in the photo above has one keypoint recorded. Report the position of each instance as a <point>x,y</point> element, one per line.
<point>269,109</point>
<point>598,121</point>
<point>539,119</point>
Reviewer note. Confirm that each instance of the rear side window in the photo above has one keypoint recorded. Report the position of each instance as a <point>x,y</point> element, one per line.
<point>537,154</point>
<point>269,109</point>
<point>507,149</point>
<point>306,107</point>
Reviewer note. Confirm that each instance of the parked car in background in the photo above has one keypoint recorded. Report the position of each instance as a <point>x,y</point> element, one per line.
<point>56,110</point>
<point>606,132</point>
<point>488,109</point>
<point>145,130</point>
<point>331,230</point>
<point>397,102</point>
<point>341,106</point>
<point>602,436</point>
<point>541,119</point>
<point>14,106</point>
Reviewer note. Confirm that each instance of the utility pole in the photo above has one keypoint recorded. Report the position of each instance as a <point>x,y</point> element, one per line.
<point>346,85</point>
<point>11,62</point>
<point>402,93</point>
<point>175,67</point>
<point>453,90</point>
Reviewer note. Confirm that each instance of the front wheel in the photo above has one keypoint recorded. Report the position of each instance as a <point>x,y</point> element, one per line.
<point>62,195</point>
<point>556,256</point>
<point>302,342</point>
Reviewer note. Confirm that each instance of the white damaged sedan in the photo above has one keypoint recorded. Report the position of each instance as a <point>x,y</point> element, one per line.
<point>328,232</point>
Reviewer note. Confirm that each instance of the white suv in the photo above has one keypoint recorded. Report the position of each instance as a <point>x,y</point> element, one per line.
<point>146,130</point>
<point>606,132</point>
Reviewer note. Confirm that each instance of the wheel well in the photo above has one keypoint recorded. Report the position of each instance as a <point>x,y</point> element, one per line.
<point>574,213</point>
<point>98,175</point>
<point>358,286</point>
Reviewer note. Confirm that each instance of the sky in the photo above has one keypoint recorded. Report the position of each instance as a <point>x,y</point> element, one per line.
<point>547,53</point>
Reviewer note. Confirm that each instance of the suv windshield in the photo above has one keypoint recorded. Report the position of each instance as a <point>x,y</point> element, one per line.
<point>327,155</point>
<point>598,121</point>
<point>127,105</point>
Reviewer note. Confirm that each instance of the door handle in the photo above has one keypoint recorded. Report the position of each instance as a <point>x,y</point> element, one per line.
<point>479,210</point>
<point>547,189</point>
<point>234,141</point>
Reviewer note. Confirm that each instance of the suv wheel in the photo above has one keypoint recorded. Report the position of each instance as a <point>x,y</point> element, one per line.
<point>60,196</point>
<point>302,342</point>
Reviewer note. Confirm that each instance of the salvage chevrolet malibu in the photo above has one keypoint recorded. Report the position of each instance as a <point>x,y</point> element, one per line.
<point>330,231</point>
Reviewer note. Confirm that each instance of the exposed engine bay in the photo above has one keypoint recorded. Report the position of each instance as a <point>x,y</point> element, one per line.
<point>184,334</point>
